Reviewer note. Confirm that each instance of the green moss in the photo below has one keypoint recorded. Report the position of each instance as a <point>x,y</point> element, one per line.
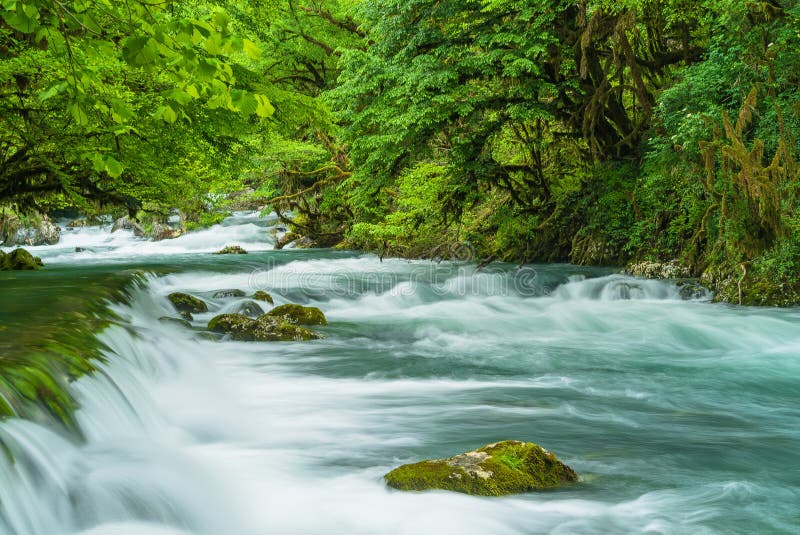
<point>230,324</point>
<point>263,329</point>
<point>261,295</point>
<point>47,339</point>
<point>19,260</point>
<point>512,461</point>
<point>299,315</point>
<point>269,328</point>
<point>508,467</point>
<point>759,287</point>
<point>187,303</point>
<point>232,249</point>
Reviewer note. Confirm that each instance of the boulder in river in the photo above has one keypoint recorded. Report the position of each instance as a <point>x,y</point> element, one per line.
<point>251,309</point>
<point>229,293</point>
<point>232,249</point>
<point>78,223</point>
<point>19,260</point>
<point>659,270</point>
<point>127,223</point>
<point>285,240</point>
<point>261,295</point>
<point>262,329</point>
<point>299,315</point>
<point>508,467</point>
<point>165,232</point>
<point>32,229</point>
<point>187,303</point>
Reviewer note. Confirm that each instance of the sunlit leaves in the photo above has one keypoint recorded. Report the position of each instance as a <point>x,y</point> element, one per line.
<point>251,49</point>
<point>264,108</point>
<point>140,50</point>
<point>113,167</point>
<point>197,50</point>
<point>22,16</point>
<point>131,98</point>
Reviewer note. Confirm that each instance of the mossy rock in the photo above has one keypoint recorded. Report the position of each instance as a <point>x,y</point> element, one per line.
<point>229,293</point>
<point>261,295</point>
<point>659,270</point>
<point>758,288</point>
<point>299,315</point>
<point>262,329</point>
<point>187,303</point>
<point>285,240</point>
<point>509,467</point>
<point>232,249</point>
<point>233,324</point>
<point>251,309</point>
<point>19,260</point>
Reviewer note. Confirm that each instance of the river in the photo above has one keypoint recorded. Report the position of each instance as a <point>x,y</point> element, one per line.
<point>680,415</point>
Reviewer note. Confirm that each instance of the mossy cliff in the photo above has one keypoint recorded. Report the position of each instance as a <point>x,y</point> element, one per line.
<point>508,467</point>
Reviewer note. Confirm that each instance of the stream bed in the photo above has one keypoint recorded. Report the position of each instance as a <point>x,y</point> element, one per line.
<point>680,415</point>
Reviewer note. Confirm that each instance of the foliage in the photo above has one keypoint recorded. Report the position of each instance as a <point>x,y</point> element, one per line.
<point>122,102</point>
<point>589,131</point>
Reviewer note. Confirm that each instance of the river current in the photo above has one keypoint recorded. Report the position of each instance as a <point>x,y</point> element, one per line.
<point>680,415</point>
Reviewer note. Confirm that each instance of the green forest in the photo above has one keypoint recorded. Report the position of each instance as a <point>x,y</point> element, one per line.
<point>590,132</point>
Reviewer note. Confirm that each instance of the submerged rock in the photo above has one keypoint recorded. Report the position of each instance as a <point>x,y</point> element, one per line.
<point>229,293</point>
<point>175,321</point>
<point>261,295</point>
<point>187,303</point>
<point>251,309</point>
<point>692,289</point>
<point>232,249</point>
<point>19,260</point>
<point>262,329</point>
<point>299,315</point>
<point>508,467</point>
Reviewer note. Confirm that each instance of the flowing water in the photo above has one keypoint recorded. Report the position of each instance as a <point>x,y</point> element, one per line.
<point>680,415</point>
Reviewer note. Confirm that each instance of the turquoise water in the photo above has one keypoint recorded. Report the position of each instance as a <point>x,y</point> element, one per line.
<point>681,416</point>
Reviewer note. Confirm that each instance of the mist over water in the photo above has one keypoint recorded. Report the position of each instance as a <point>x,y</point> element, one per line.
<point>680,415</point>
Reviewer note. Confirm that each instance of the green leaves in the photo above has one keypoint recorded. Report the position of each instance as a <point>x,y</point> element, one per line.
<point>21,16</point>
<point>151,100</point>
<point>263,108</point>
<point>113,167</point>
<point>140,51</point>
<point>252,50</point>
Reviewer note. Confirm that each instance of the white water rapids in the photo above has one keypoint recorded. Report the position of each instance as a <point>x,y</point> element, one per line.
<point>677,413</point>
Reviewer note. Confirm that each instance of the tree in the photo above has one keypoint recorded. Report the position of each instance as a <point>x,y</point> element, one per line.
<point>521,98</point>
<point>91,93</point>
